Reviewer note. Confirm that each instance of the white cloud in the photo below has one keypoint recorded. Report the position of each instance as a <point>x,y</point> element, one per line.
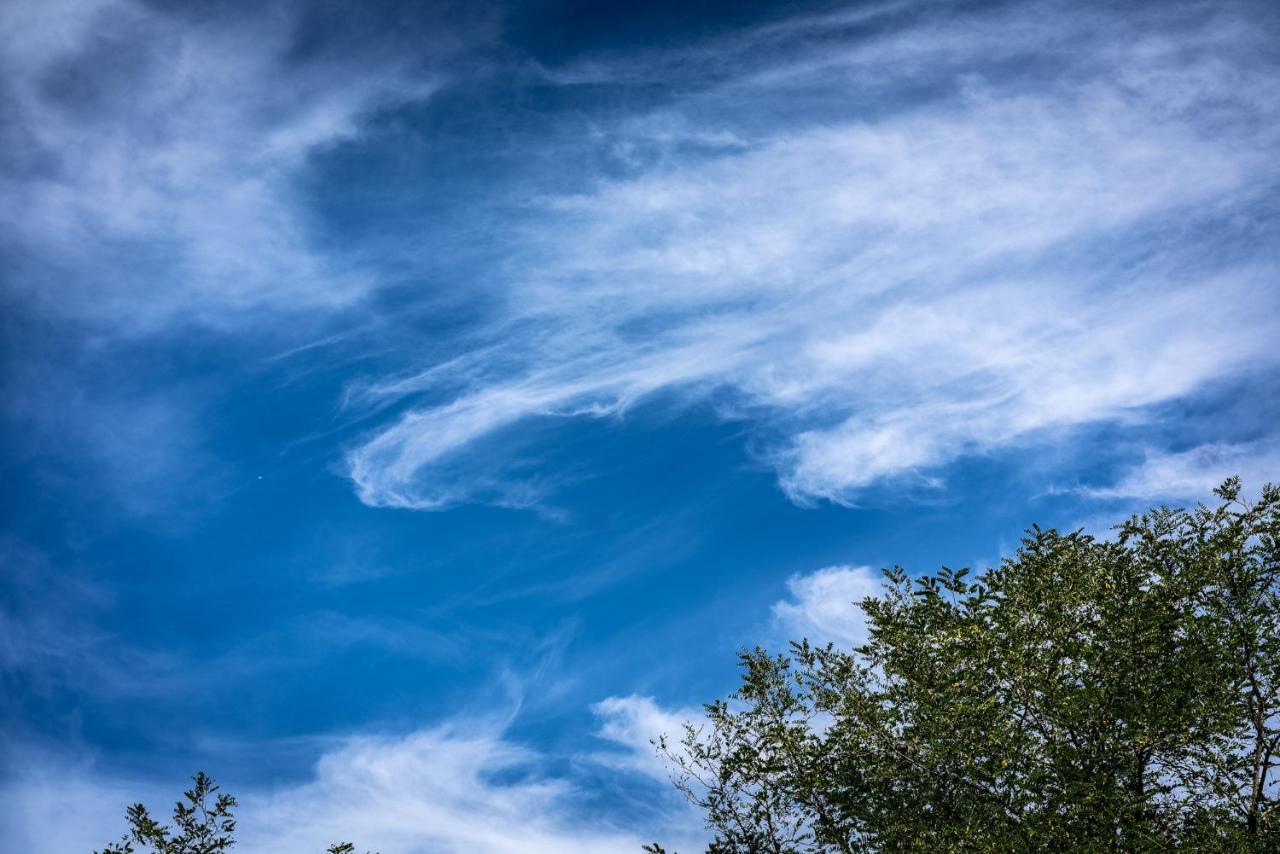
<point>823,606</point>
<point>885,292</point>
<point>151,160</point>
<point>454,788</point>
<point>56,808</point>
<point>439,790</point>
<point>636,722</point>
<point>1193,474</point>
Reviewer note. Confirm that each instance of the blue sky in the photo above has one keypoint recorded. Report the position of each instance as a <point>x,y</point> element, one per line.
<point>410,408</point>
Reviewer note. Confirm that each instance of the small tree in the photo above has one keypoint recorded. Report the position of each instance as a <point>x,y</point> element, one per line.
<point>200,826</point>
<point>203,824</point>
<point>1084,695</point>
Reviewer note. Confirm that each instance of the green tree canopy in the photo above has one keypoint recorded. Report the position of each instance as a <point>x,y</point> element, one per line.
<point>1085,695</point>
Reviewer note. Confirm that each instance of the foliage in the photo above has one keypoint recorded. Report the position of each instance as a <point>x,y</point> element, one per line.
<point>201,827</point>
<point>203,824</point>
<point>1085,695</point>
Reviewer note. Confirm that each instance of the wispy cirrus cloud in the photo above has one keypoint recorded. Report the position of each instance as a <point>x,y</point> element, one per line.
<point>635,723</point>
<point>154,161</point>
<point>151,158</point>
<point>445,789</point>
<point>1032,232</point>
<point>462,786</point>
<point>1192,474</point>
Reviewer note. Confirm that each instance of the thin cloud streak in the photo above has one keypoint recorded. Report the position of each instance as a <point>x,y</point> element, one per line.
<point>434,790</point>
<point>635,723</point>
<point>1193,474</point>
<point>458,787</point>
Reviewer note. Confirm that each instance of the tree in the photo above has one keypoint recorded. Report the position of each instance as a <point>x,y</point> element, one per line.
<point>201,827</point>
<point>203,824</point>
<point>1085,695</point>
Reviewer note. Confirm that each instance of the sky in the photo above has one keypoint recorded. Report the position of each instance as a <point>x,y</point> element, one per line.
<point>409,409</point>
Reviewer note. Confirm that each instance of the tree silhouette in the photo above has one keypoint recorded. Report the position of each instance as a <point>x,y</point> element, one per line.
<point>203,823</point>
